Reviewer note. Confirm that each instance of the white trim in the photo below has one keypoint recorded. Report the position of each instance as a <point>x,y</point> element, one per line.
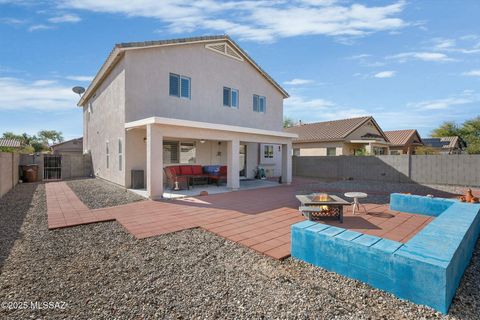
<point>206,125</point>
<point>225,45</point>
<point>369,142</point>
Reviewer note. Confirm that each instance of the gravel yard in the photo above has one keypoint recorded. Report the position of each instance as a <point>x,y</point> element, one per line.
<point>101,271</point>
<point>96,193</point>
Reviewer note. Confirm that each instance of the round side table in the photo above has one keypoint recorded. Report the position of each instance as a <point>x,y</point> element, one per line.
<point>356,204</point>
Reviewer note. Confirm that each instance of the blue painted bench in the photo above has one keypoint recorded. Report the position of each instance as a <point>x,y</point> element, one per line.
<point>425,270</point>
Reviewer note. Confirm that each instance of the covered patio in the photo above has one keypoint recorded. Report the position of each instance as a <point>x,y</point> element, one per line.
<point>155,143</point>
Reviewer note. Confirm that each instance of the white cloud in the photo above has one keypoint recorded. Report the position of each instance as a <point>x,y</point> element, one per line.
<point>472,73</point>
<point>298,82</point>
<point>39,27</point>
<point>46,95</point>
<point>450,45</point>
<point>80,78</point>
<point>466,97</point>
<point>258,20</point>
<point>424,56</point>
<point>12,21</point>
<point>66,18</point>
<point>385,74</point>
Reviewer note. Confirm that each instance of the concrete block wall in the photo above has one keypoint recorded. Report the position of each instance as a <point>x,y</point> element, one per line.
<point>8,171</point>
<point>73,165</point>
<point>426,270</point>
<point>428,169</point>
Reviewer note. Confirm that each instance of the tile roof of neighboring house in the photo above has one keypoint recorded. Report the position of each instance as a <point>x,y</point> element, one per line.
<point>443,142</point>
<point>117,53</point>
<point>10,143</point>
<point>336,130</point>
<point>401,137</point>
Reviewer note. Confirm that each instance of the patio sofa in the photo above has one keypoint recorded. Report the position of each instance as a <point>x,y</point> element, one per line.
<point>187,175</point>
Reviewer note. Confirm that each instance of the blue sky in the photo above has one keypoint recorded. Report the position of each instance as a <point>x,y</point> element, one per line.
<point>410,64</point>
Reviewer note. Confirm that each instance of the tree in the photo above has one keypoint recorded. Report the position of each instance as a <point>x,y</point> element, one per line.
<point>33,143</point>
<point>447,129</point>
<point>288,122</point>
<point>469,131</point>
<point>50,137</point>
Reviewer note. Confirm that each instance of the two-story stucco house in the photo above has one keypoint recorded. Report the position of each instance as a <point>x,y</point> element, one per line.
<point>198,100</point>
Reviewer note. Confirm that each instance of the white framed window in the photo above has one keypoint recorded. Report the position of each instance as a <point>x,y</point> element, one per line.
<point>268,151</point>
<point>120,155</point>
<point>188,152</point>
<point>107,152</point>
<point>259,103</point>
<point>179,86</point>
<point>179,152</point>
<point>230,97</point>
<point>331,151</point>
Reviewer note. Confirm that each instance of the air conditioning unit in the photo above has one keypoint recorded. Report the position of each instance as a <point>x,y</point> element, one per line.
<point>138,179</point>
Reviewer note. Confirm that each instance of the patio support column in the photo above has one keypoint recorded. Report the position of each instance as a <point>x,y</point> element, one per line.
<point>154,162</point>
<point>233,164</point>
<point>287,163</point>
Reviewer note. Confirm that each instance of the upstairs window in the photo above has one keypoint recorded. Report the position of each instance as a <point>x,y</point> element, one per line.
<point>179,86</point>
<point>230,97</point>
<point>259,103</point>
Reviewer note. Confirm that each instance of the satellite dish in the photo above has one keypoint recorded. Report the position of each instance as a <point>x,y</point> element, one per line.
<point>78,90</point>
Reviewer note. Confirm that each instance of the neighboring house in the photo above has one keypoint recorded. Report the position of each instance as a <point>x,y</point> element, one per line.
<point>339,137</point>
<point>10,143</point>
<point>198,100</point>
<point>446,145</point>
<point>404,141</point>
<point>74,146</point>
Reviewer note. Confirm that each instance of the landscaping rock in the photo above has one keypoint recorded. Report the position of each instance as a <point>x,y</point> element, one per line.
<point>101,271</point>
<point>96,193</point>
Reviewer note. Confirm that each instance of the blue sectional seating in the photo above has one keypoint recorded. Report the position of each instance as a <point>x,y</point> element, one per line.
<point>425,270</point>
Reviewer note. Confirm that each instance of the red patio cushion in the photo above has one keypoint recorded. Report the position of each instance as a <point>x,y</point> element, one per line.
<point>186,170</point>
<point>175,170</point>
<point>197,170</point>
<point>223,170</point>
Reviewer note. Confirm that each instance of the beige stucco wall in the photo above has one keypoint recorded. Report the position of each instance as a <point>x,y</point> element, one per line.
<point>72,146</point>
<point>319,148</point>
<point>8,171</point>
<point>147,82</point>
<point>105,123</point>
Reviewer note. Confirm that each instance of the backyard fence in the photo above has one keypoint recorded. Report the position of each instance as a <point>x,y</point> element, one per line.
<point>8,171</point>
<point>60,167</point>
<point>462,169</point>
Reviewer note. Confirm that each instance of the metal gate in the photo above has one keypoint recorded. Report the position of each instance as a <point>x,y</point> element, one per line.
<point>52,167</point>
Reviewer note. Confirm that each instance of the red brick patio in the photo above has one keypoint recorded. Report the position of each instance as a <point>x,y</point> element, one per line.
<point>259,219</point>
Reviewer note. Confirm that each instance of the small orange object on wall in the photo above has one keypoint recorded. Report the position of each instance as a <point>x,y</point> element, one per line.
<point>469,197</point>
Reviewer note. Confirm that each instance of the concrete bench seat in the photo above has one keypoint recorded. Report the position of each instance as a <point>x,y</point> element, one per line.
<point>425,270</point>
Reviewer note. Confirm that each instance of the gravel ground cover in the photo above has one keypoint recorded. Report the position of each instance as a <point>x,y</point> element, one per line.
<point>101,271</point>
<point>384,188</point>
<point>96,193</point>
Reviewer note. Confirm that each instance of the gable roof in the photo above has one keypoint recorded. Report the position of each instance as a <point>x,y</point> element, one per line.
<point>10,143</point>
<point>336,130</point>
<point>119,50</point>
<point>445,142</point>
<point>401,137</point>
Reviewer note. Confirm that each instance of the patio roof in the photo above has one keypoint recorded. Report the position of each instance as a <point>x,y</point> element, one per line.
<point>206,125</point>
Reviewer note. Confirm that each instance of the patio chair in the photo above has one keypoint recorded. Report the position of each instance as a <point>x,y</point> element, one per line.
<point>174,179</point>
